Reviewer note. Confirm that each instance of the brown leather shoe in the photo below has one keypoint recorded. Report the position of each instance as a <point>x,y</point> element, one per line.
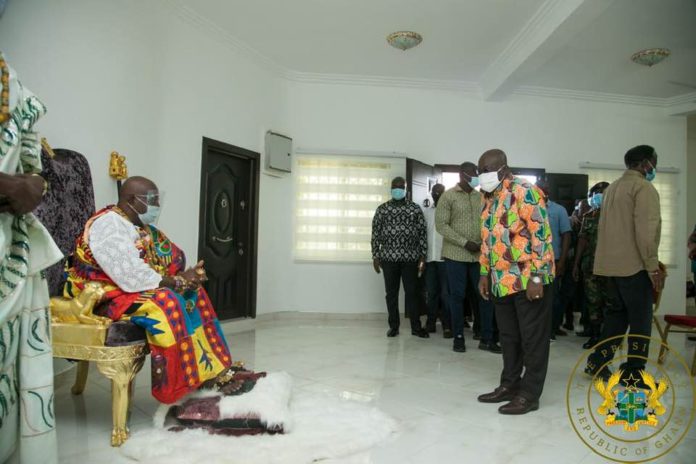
<point>498,395</point>
<point>519,405</point>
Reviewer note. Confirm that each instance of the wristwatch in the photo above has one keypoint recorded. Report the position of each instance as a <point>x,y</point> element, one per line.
<point>536,280</point>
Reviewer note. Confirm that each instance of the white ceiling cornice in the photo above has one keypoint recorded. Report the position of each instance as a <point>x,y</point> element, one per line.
<point>538,41</point>
<point>682,105</point>
<point>208,27</point>
<point>590,96</point>
<point>385,81</point>
<point>550,13</point>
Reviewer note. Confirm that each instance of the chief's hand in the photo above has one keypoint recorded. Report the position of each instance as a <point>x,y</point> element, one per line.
<point>195,276</point>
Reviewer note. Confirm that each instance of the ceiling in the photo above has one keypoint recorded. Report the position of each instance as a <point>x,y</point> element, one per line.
<point>598,57</point>
<point>498,45</point>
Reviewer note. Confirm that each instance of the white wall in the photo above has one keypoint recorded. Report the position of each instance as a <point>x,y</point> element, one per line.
<point>446,127</point>
<point>133,77</point>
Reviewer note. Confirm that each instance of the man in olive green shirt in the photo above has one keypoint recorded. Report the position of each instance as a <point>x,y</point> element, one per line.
<point>458,220</point>
<point>626,253</point>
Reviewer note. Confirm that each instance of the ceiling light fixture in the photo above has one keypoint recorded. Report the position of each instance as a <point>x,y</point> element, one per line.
<point>403,40</point>
<point>651,56</point>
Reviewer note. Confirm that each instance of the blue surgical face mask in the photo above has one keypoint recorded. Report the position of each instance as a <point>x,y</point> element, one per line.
<point>474,182</point>
<point>398,193</point>
<point>151,214</point>
<point>650,175</point>
<point>596,200</point>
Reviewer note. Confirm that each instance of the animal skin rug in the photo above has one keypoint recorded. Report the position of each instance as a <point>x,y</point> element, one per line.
<point>317,427</point>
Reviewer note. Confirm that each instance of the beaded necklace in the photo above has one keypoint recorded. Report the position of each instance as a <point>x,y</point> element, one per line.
<point>5,93</point>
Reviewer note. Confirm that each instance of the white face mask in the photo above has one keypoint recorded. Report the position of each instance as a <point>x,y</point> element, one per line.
<point>489,180</point>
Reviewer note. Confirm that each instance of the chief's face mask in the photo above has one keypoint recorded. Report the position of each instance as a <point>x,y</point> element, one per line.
<point>152,208</point>
<point>596,200</point>
<point>398,193</point>
<point>489,180</point>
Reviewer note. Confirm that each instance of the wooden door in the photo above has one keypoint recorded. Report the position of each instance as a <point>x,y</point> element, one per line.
<point>566,189</point>
<point>228,227</point>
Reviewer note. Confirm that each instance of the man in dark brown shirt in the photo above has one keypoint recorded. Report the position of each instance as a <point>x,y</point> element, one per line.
<point>627,244</point>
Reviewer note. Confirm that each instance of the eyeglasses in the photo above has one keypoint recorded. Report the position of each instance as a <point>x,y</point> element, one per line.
<point>152,198</point>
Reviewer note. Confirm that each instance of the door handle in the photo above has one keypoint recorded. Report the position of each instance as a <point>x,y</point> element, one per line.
<point>222,240</point>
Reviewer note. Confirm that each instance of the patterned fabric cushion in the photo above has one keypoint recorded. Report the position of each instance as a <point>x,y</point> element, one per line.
<point>66,207</point>
<point>122,333</point>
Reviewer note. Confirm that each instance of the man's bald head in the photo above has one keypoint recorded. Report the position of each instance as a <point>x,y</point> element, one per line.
<point>136,195</point>
<point>492,160</point>
<point>136,186</point>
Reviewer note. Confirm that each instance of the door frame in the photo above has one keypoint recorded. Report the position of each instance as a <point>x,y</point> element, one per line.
<point>254,159</point>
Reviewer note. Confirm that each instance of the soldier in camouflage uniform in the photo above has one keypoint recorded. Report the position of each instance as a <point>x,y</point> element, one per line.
<point>595,286</point>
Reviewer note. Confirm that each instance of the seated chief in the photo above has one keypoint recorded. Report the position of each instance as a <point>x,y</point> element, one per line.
<point>145,280</point>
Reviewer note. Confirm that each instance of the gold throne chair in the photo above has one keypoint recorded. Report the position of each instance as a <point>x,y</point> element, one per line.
<point>117,348</point>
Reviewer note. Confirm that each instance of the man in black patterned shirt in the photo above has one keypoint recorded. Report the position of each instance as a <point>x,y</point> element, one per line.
<point>399,248</point>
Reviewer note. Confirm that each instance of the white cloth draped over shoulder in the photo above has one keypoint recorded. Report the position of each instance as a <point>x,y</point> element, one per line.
<point>112,241</point>
<point>27,421</point>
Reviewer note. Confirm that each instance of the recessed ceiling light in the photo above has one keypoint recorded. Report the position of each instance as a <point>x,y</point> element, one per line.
<point>650,56</point>
<point>403,40</point>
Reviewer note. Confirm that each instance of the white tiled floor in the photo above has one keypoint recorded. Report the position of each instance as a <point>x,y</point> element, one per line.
<point>422,383</point>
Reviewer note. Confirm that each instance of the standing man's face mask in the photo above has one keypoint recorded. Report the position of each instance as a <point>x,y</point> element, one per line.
<point>398,193</point>
<point>473,181</point>
<point>596,200</point>
<point>651,174</point>
<point>489,181</point>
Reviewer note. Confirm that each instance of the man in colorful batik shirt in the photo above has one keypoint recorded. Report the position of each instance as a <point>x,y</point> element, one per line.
<point>146,281</point>
<point>517,272</point>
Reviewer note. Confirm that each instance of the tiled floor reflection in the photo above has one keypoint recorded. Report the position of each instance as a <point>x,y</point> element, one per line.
<point>422,383</point>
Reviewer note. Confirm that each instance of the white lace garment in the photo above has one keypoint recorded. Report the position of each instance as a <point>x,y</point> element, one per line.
<point>112,241</point>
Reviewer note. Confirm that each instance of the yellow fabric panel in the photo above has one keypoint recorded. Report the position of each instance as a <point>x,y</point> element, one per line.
<point>203,373</point>
<point>151,310</point>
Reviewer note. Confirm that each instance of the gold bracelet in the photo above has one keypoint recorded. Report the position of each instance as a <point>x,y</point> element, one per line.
<point>45,184</point>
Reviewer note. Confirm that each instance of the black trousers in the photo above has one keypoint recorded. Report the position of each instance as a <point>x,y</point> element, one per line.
<point>394,273</point>
<point>628,307</point>
<point>525,331</point>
